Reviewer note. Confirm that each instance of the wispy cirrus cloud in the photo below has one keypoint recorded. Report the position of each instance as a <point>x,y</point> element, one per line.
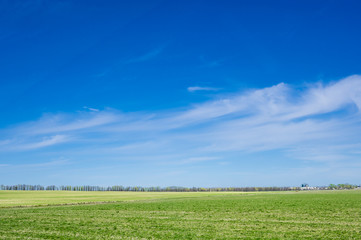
<point>91,109</point>
<point>279,118</point>
<point>24,144</point>
<point>59,123</point>
<point>45,142</point>
<point>197,88</point>
<point>136,59</point>
<point>210,63</point>
<point>147,56</point>
<point>53,129</point>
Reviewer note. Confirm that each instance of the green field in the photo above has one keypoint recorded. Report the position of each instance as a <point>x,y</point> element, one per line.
<point>41,198</point>
<point>271,215</point>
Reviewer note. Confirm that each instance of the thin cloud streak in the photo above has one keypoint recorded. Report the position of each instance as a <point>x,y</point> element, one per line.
<point>66,122</point>
<point>197,88</point>
<point>149,55</point>
<point>277,118</point>
<point>138,59</point>
<point>91,109</point>
<point>45,142</point>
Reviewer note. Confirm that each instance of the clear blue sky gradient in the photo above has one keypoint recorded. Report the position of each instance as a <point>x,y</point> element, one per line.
<point>188,93</point>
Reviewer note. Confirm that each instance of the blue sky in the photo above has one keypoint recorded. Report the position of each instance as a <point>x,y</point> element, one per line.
<point>187,93</point>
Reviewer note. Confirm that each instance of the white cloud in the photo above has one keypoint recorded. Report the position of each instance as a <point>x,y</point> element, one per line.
<point>323,99</point>
<point>197,88</point>
<point>91,109</point>
<point>45,142</point>
<point>50,123</point>
<point>278,118</point>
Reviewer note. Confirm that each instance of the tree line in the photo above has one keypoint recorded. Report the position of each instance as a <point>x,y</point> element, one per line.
<point>342,186</point>
<point>26,187</point>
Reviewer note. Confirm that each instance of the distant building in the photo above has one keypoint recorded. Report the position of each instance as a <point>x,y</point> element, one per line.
<point>305,186</point>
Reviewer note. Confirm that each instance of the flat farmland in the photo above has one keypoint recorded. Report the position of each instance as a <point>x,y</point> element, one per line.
<point>271,215</point>
<point>44,198</point>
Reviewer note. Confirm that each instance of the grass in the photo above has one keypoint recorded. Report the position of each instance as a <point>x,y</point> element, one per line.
<point>41,198</point>
<point>283,215</point>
